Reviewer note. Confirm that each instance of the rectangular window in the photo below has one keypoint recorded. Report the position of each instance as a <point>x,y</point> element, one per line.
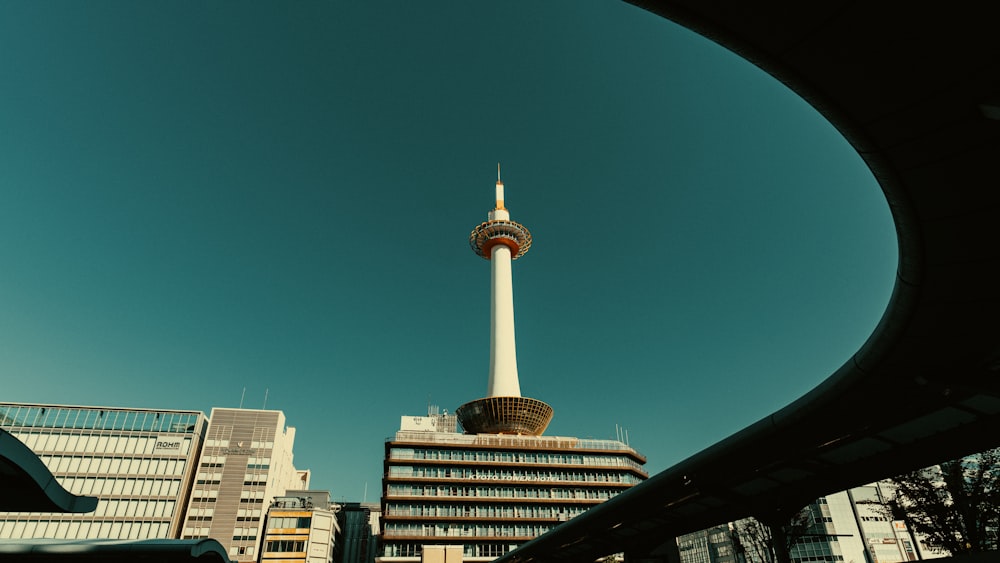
<point>285,546</point>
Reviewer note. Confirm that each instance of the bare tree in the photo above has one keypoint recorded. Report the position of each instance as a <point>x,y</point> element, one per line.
<point>955,505</point>
<point>761,543</point>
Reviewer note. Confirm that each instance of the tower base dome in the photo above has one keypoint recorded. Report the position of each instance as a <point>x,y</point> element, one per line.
<point>505,415</point>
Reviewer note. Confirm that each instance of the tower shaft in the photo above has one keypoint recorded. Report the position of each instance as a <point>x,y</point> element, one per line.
<point>503,355</point>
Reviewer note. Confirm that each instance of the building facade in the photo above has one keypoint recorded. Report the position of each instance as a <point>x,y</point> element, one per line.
<point>360,526</point>
<point>140,463</point>
<point>301,527</point>
<point>852,525</point>
<point>246,462</point>
<point>490,493</point>
<point>714,545</point>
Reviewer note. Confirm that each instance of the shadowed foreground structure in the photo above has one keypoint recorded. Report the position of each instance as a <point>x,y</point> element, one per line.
<point>27,485</point>
<point>916,91</point>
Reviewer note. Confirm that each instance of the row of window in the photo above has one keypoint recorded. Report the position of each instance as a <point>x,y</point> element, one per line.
<point>103,443</point>
<point>77,418</point>
<point>215,477</point>
<point>289,522</point>
<point>206,513</point>
<point>499,492</point>
<point>501,456</point>
<point>214,494</point>
<point>216,442</point>
<point>561,513</point>
<point>135,508</point>
<point>408,549</point>
<point>244,533</point>
<point>512,474</point>
<point>83,529</point>
<point>285,546</point>
<point>114,465</point>
<point>465,530</point>
<point>124,486</point>
<point>243,502</point>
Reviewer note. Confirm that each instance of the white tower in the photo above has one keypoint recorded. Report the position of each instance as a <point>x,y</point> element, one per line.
<point>501,252</point>
<point>503,410</point>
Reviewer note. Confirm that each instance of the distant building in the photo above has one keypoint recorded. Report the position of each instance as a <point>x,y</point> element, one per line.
<point>246,462</point>
<point>140,463</point>
<point>359,530</point>
<point>481,494</point>
<point>301,526</point>
<point>714,545</point>
<point>853,525</point>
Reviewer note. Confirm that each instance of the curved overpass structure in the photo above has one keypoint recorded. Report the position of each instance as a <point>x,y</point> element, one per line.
<point>916,91</point>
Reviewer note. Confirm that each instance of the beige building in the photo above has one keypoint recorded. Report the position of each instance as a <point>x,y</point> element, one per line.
<point>139,463</point>
<point>246,462</point>
<point>301,528</point>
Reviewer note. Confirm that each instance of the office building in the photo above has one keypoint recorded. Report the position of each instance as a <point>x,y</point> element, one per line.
<point>493,492</point>
<point>360,526</point>
<point>714,545</point>
<point>301,527</point>
<point>139,463</point>
<point>246,462</point>
<point>502,482</point>
<point>852,525</point>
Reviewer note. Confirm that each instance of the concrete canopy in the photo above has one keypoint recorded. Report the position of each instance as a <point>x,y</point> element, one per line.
<point>916,91</point>
<point>113,551</point>
<point>27,485</point>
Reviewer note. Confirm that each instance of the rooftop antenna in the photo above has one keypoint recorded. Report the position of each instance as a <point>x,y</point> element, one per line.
<point>266,390</point>
<point>243,396</point>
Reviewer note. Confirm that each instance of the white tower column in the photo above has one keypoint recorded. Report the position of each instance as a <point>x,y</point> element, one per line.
<point>503,355</point>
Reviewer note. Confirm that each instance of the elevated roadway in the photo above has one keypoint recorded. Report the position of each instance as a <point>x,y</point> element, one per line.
<point>916,90</point>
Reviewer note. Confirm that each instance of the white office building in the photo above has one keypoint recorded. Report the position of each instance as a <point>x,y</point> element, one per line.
<point>138,462</point>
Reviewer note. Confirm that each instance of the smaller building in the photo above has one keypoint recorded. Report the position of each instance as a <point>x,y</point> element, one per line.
<point>245,462</point>
<point>139,463</point>
<point>300,527</point>
<point>359,531</point>
<point>714,545</point>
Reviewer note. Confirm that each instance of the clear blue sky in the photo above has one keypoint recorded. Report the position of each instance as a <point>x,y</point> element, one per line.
<point>202,197</point>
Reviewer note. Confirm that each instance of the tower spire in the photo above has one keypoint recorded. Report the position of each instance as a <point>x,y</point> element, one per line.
<point>499,190</point>
<point>504,410</point>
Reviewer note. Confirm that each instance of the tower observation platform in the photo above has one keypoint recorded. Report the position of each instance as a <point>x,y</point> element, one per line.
<point>503,411</point>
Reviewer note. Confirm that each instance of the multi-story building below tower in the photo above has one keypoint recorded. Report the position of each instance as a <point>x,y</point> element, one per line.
<point>246,462</point>
<point>493,492</point>
<point>140,463</point>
